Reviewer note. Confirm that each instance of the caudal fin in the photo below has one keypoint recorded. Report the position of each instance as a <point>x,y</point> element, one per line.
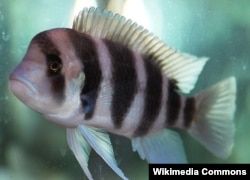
<point>213,124</point>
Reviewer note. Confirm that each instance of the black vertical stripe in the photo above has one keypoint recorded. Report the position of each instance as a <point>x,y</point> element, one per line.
<point>153,97</point>
<point>189,111</point>
<point>45,44</point>
<point>173,103</point>
<point>85,49</point>
<point>56,76</point>
<point>52,54</point>
<point>124,81</point>
<point>58,87</point>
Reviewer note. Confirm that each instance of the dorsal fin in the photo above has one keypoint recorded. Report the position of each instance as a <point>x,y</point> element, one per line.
<point>181,67</point>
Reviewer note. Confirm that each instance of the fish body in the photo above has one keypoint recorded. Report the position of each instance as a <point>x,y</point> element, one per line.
<point>107,74</point>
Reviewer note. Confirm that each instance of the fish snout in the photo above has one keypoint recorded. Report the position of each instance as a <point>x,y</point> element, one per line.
<point>23,78</point>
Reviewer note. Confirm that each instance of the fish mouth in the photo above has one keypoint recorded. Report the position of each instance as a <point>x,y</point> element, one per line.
<point>17,79</point>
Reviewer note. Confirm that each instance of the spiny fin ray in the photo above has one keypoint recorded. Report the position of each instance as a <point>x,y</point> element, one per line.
<point>106,25</point>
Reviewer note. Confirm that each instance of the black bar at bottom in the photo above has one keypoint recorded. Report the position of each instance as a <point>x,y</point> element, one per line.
<point>162,171</point>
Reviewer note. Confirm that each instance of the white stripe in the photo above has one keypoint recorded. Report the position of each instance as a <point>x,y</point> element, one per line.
<point>160,121</point>
<point>180,122</point>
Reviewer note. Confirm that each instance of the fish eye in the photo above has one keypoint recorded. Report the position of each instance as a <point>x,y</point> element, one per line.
<point>54,66</point>
<point>54,63</point>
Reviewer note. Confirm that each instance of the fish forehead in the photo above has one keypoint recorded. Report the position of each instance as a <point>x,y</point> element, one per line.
<point>58,42</point>
<point>49,41</point>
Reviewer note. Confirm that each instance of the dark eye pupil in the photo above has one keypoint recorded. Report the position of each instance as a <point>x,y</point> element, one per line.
<point>54,63</point>
<point>54,66</point>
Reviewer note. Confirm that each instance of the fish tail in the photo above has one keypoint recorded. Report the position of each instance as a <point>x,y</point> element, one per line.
<point>212,124</point>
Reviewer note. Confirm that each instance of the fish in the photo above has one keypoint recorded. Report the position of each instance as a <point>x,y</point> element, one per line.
<point>107,74</point>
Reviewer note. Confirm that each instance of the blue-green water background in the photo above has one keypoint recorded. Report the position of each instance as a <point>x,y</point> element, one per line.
<point>33,148</point>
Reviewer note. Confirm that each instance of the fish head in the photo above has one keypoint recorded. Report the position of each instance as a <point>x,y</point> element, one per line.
<point>49,77</point>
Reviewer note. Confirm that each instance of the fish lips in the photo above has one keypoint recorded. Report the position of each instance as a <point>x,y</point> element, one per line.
<point>21,87</point>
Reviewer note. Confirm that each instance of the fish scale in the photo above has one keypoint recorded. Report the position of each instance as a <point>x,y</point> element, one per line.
<point>123,71</point>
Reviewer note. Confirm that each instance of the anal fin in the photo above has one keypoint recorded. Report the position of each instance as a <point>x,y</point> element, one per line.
<point>162,147</point>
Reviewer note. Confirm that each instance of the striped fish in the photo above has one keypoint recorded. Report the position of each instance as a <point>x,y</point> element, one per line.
<point>108,74</point>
